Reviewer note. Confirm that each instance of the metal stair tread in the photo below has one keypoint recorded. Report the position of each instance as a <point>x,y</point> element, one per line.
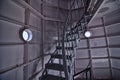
<point>54,66</point>
<point>72,33</point>
<point>59,56</point>
<point>60,47</point>
<point>51,77</point>
<point>68,40</point>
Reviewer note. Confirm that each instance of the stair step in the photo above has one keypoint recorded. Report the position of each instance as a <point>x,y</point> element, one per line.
<point>59,56</point>
<point>69,40</point>
<point>72,33</point>
<point>51,77</point>
<point>54,66</point>
<point>59,48</point>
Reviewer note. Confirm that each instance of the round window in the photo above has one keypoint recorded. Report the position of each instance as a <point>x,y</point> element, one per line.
<point>88,34</point>
<point>27,35</point>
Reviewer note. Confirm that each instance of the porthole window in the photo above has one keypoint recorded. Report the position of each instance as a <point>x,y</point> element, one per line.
<point>27,35</point>
<point>88,34</point>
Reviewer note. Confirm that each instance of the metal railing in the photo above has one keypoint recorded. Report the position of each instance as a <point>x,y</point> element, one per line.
<point>68,73</point>
<point>87,72</point>
<point>78,28</point>
<point>87,16</point>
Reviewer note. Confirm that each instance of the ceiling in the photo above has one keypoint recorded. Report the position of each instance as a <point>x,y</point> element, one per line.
<point>107,7</point>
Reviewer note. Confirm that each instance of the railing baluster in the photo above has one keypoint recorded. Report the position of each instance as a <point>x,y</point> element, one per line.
<point>86,75</point>
<point>85,71</point>
<point>90,74</point>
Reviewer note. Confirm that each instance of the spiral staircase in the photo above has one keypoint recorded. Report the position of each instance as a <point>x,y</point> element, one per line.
<point>66,49</point>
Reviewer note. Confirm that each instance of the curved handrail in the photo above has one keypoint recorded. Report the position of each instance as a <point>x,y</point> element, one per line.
<point>63,38</point>
<point>88,77</point>
<point>84,70</point>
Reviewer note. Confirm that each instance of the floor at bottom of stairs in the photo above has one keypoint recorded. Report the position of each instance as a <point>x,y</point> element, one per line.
<point>52,77</point>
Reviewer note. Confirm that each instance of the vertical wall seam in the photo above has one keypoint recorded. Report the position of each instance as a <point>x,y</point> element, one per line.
<point>26,54</point>
<point>107,44</point>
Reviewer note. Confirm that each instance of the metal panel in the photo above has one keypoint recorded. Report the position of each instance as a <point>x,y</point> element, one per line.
<point>50,11</point>
<point>50,25</point>
<point>107,43</point>
<point>115,52</point>
<point>34,51</point>
<point>101,74</point>
<point>11,56</point>
<point>36,4</point>
<point>113,29</point>
<point>16,74</point>
<point>11,10</point>
<point>35,21</point>
<point>100,63</point>
<point>116,63</point>
<point>97,31</point>
<point>82,44</point>
<point>112,17</point>
<point>52,2</point>
<point>95,22</point>
<point>9,32</point>
<point>101,52</point>
<point>116,74</point>
<point>115,40</point>
<point>64,4</point>
<point>51,30</point>
<point>97,42</point>
<point>81,63</point>
<point>82,54</point>
<point>31,68</point>
<point>63,14</point>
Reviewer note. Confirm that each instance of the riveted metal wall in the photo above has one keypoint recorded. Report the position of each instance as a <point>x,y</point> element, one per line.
<point>113,32</point>
<point>21,60</point>
<point>104,47</point>
<point>13,49</point>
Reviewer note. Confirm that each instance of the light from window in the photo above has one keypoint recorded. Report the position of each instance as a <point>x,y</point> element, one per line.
<point>27,35</point>
<point>88,34</point>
